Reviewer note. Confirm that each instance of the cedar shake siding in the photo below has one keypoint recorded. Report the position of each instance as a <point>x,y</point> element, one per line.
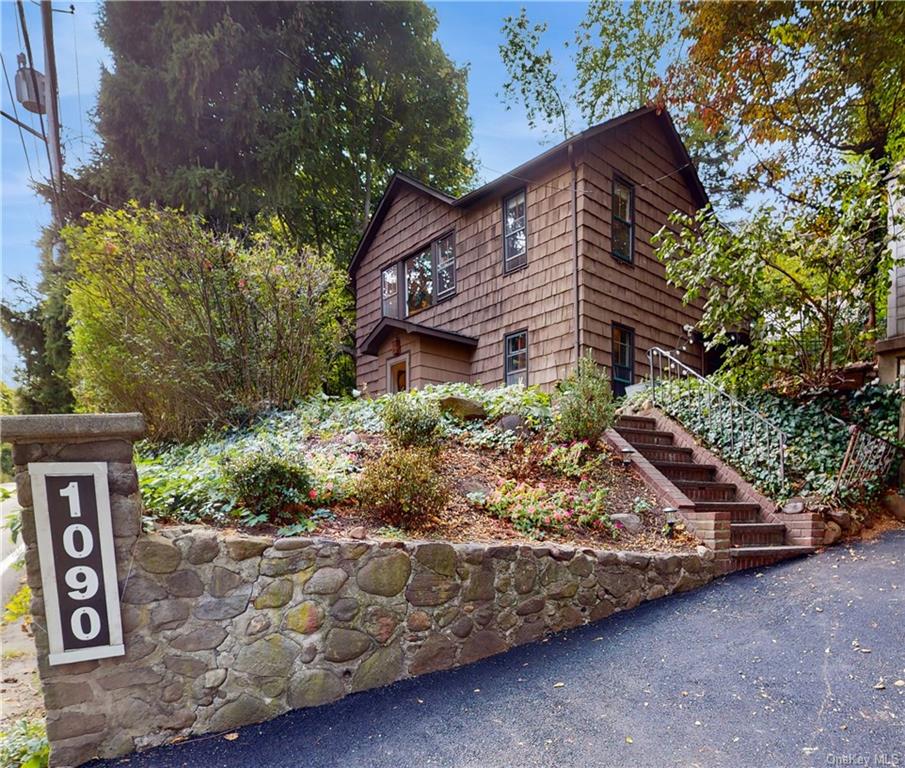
<point>635,295</point>
<point>463,336</point>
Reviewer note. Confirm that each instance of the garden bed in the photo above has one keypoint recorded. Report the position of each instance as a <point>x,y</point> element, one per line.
<point>506,477</point>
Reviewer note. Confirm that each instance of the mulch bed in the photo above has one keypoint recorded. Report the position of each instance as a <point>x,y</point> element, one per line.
<point>470,469</point>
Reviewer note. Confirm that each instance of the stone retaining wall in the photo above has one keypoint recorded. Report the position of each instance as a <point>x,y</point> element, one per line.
<point>224,630</point>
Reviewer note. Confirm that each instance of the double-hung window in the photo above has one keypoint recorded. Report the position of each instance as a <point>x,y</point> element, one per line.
<point>623,221</point>
<point>389,288</point>
<point>515,231</point>
<point>515,363</point>
<point>421,280</point>
<point>446,266</point>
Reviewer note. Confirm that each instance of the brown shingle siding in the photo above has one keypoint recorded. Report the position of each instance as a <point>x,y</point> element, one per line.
<point>490,303</point>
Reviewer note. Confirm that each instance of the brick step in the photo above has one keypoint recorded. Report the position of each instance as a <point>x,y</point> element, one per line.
<point>636,422</point>
<point>757,534</point>
<point>646,436</point>
<point>756,557</point>
<point>739,511</point>
<point>686,470</point>
<point>654,452</point>
<point>703,490</point>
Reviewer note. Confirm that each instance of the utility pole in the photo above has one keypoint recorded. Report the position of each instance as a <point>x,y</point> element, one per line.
<point>53,111</point>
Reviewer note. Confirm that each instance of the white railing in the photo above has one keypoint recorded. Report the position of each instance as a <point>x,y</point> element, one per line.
<point>718,418</point>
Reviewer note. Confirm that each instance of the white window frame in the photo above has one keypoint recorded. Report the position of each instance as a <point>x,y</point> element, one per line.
<point>405,357</point>
<point>520,259</point>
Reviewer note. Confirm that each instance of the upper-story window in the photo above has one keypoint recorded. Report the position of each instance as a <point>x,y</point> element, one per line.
<point>426,277</point>
<point>389,288</point>
<point>515,232</point>
<point>419,282</point>
<point>446,266</point>
<point>623,220</point>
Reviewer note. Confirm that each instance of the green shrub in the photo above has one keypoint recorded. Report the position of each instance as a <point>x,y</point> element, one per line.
<point>192,327</point>
<point>409,422</point>
<point>585,407</point>
<point>265,483</point>
<point>403,486</point>
<point>24,745</point>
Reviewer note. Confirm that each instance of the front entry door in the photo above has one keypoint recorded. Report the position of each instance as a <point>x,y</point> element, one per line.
<point>398,374</point>
<point>623,359</point>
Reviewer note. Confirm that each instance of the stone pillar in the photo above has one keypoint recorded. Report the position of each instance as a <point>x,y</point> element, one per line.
<point>74,728</point>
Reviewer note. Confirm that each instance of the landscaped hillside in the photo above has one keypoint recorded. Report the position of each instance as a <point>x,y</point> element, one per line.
<point>455,461</point>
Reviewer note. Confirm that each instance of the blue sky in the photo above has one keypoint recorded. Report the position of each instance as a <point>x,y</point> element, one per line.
<point>469,32</point>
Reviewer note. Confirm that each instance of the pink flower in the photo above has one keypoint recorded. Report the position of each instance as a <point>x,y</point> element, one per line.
<point>312,494</point>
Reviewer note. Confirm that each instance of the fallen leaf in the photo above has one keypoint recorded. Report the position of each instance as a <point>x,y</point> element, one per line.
<point>629,740</point>
<point>559,685</point>
<point>899,683</point>
<point>880,686</point>
<point>231,736</point>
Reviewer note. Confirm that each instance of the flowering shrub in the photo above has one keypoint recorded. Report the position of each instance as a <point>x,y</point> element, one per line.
<point>533,510</point>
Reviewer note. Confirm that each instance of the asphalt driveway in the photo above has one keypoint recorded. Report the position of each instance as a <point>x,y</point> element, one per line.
<point>795,665</point>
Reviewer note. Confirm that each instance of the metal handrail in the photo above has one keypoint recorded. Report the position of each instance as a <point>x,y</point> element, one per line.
<point>713,389</point>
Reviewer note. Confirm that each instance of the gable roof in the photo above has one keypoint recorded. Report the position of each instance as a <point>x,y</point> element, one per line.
<point>371,344</point>
<point>400,181</point>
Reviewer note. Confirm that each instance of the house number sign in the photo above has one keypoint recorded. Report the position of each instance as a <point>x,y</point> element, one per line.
<point>78,565</point>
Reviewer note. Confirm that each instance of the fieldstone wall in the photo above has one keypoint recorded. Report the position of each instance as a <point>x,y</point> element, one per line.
<point>225,630</point>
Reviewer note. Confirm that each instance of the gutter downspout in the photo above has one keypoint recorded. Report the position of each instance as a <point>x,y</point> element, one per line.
<point>575,297</point>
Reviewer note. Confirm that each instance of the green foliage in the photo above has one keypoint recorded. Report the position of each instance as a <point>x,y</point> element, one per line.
<point>403,486</point>
<point>23,744</point>
<point>18,606</point>
<point>585,408</point>
<point>535,511</point>
<point>621,53</point>
<point>620,46</point>
<point>186,482</point>
<point>532,79</point>
<point>36,321</point>
<point>265,483</point>
<point>805,81</point>
<point>189,327</point>
<point>299,111</point>
<point>570,460</point>
<point>410,422</point>
<point>816,443</point>
<point>801,282</point>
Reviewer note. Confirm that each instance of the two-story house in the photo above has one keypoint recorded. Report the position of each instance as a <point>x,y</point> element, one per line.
<point>510,282</point>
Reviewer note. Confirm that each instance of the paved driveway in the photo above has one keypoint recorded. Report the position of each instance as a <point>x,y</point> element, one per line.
<point>763,668</point>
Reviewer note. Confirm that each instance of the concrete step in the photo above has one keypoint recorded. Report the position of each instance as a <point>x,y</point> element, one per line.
<point>757,534</point>
<point>756,557</point>
<point>703,490</point>
<point>636,422</point>
<point>654,452</point>
<point>740,511</point>
<point>645,436</point>
<point>686,470</point>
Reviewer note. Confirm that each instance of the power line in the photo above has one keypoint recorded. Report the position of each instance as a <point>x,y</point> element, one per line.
<point>78,85</point>
<point>12,100</point>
